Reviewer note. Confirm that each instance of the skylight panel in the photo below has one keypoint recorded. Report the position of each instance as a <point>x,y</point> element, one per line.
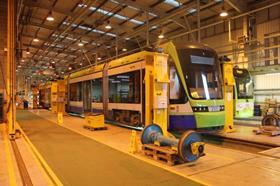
<point>92,30</point>
<point>118,16</point>
<point>134,8</point>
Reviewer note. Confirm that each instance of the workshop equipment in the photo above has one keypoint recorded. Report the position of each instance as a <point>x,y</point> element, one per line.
<point>228,84</point>
<point>270,125</point>
<point>58,92</point>
<point>189,147</point>
<point>95,121</point>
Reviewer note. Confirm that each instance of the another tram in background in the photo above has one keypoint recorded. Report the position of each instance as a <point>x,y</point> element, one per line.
<point>117,88</point>
<point>244,89</point>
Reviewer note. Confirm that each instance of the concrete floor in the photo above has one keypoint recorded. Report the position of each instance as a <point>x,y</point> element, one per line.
<point>246,133</point>
<point>220,166</point>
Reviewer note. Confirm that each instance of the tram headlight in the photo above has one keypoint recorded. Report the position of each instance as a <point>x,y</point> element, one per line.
<point>200,109</point>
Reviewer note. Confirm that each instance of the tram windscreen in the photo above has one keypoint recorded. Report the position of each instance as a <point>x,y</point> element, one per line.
<point>243,83</point>
<point>202,73</point>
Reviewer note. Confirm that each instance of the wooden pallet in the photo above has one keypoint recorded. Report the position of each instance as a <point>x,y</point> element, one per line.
<point>161,154</point>
<point>94,128</point>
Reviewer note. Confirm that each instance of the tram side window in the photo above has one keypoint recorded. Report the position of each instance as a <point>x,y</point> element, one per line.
<point>76,91</point>
<point>96,90</point>
<point>177,94</point>
<point>125,88</point>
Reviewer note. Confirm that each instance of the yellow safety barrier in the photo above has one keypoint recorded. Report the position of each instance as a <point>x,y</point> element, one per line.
<point>133,146</point>
<point>60,118</point>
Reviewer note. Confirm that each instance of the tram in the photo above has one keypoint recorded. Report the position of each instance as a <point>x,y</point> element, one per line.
<point>244,89</point>
<point>117,88</point>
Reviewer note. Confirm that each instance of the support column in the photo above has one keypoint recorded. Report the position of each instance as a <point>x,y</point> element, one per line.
<point>198,21</point>
<point>10,84</point>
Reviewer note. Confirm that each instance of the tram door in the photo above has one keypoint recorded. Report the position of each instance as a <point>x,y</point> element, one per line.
<point>87,96</point>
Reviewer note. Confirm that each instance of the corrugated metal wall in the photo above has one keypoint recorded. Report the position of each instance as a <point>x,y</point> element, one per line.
<point>267,86</point>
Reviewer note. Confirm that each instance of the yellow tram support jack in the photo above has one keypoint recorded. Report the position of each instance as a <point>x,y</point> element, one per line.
<point>156,82</point>
<point>228,96</point>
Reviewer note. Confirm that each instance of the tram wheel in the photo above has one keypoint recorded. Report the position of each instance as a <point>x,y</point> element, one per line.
<point>273,120</point>
<point>184,147</point>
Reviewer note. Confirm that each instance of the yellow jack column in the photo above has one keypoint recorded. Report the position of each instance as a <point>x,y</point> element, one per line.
<point>10,86</point>
<point>156,82</point>
<point>228,96</point>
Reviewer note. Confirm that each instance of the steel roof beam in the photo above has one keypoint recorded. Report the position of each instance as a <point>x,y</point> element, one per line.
<point>32,4</point>
<point>239,5</point>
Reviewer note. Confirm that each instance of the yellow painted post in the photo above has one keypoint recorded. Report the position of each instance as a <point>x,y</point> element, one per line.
<point>133,146</point>
<point>228,96</point>
<point>60,118</point>
<point>148,90</point>
<point>10,82</point>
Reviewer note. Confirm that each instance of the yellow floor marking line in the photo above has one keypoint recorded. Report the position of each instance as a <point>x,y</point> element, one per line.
<point>47,178</point>
<point>10,165</point>
<point>43,163</point>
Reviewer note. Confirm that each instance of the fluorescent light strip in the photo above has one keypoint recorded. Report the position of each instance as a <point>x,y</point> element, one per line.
<point>105,12</point>
<point>172,3</point>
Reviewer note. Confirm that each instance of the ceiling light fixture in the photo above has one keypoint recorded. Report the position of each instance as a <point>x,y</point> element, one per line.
<point>50,17</point>
<point>53,62</point>
<point>70,68</point>
<point>161,36</point>
<point>80,44</point>
<point>99,58</point>
<point>36,40</point>
<point>27,51</point>
<point>124,49</point>
<point>223,13</point>
<point>108,26</point>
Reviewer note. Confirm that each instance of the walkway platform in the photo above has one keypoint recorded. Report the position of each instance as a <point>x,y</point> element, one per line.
<point>81,157</point>
<point>246,134</point>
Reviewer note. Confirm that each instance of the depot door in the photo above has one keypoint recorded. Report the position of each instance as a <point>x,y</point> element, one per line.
<point>87,96</point>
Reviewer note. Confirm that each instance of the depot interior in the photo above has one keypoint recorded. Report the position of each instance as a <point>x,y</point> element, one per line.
<point>130,92</point>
